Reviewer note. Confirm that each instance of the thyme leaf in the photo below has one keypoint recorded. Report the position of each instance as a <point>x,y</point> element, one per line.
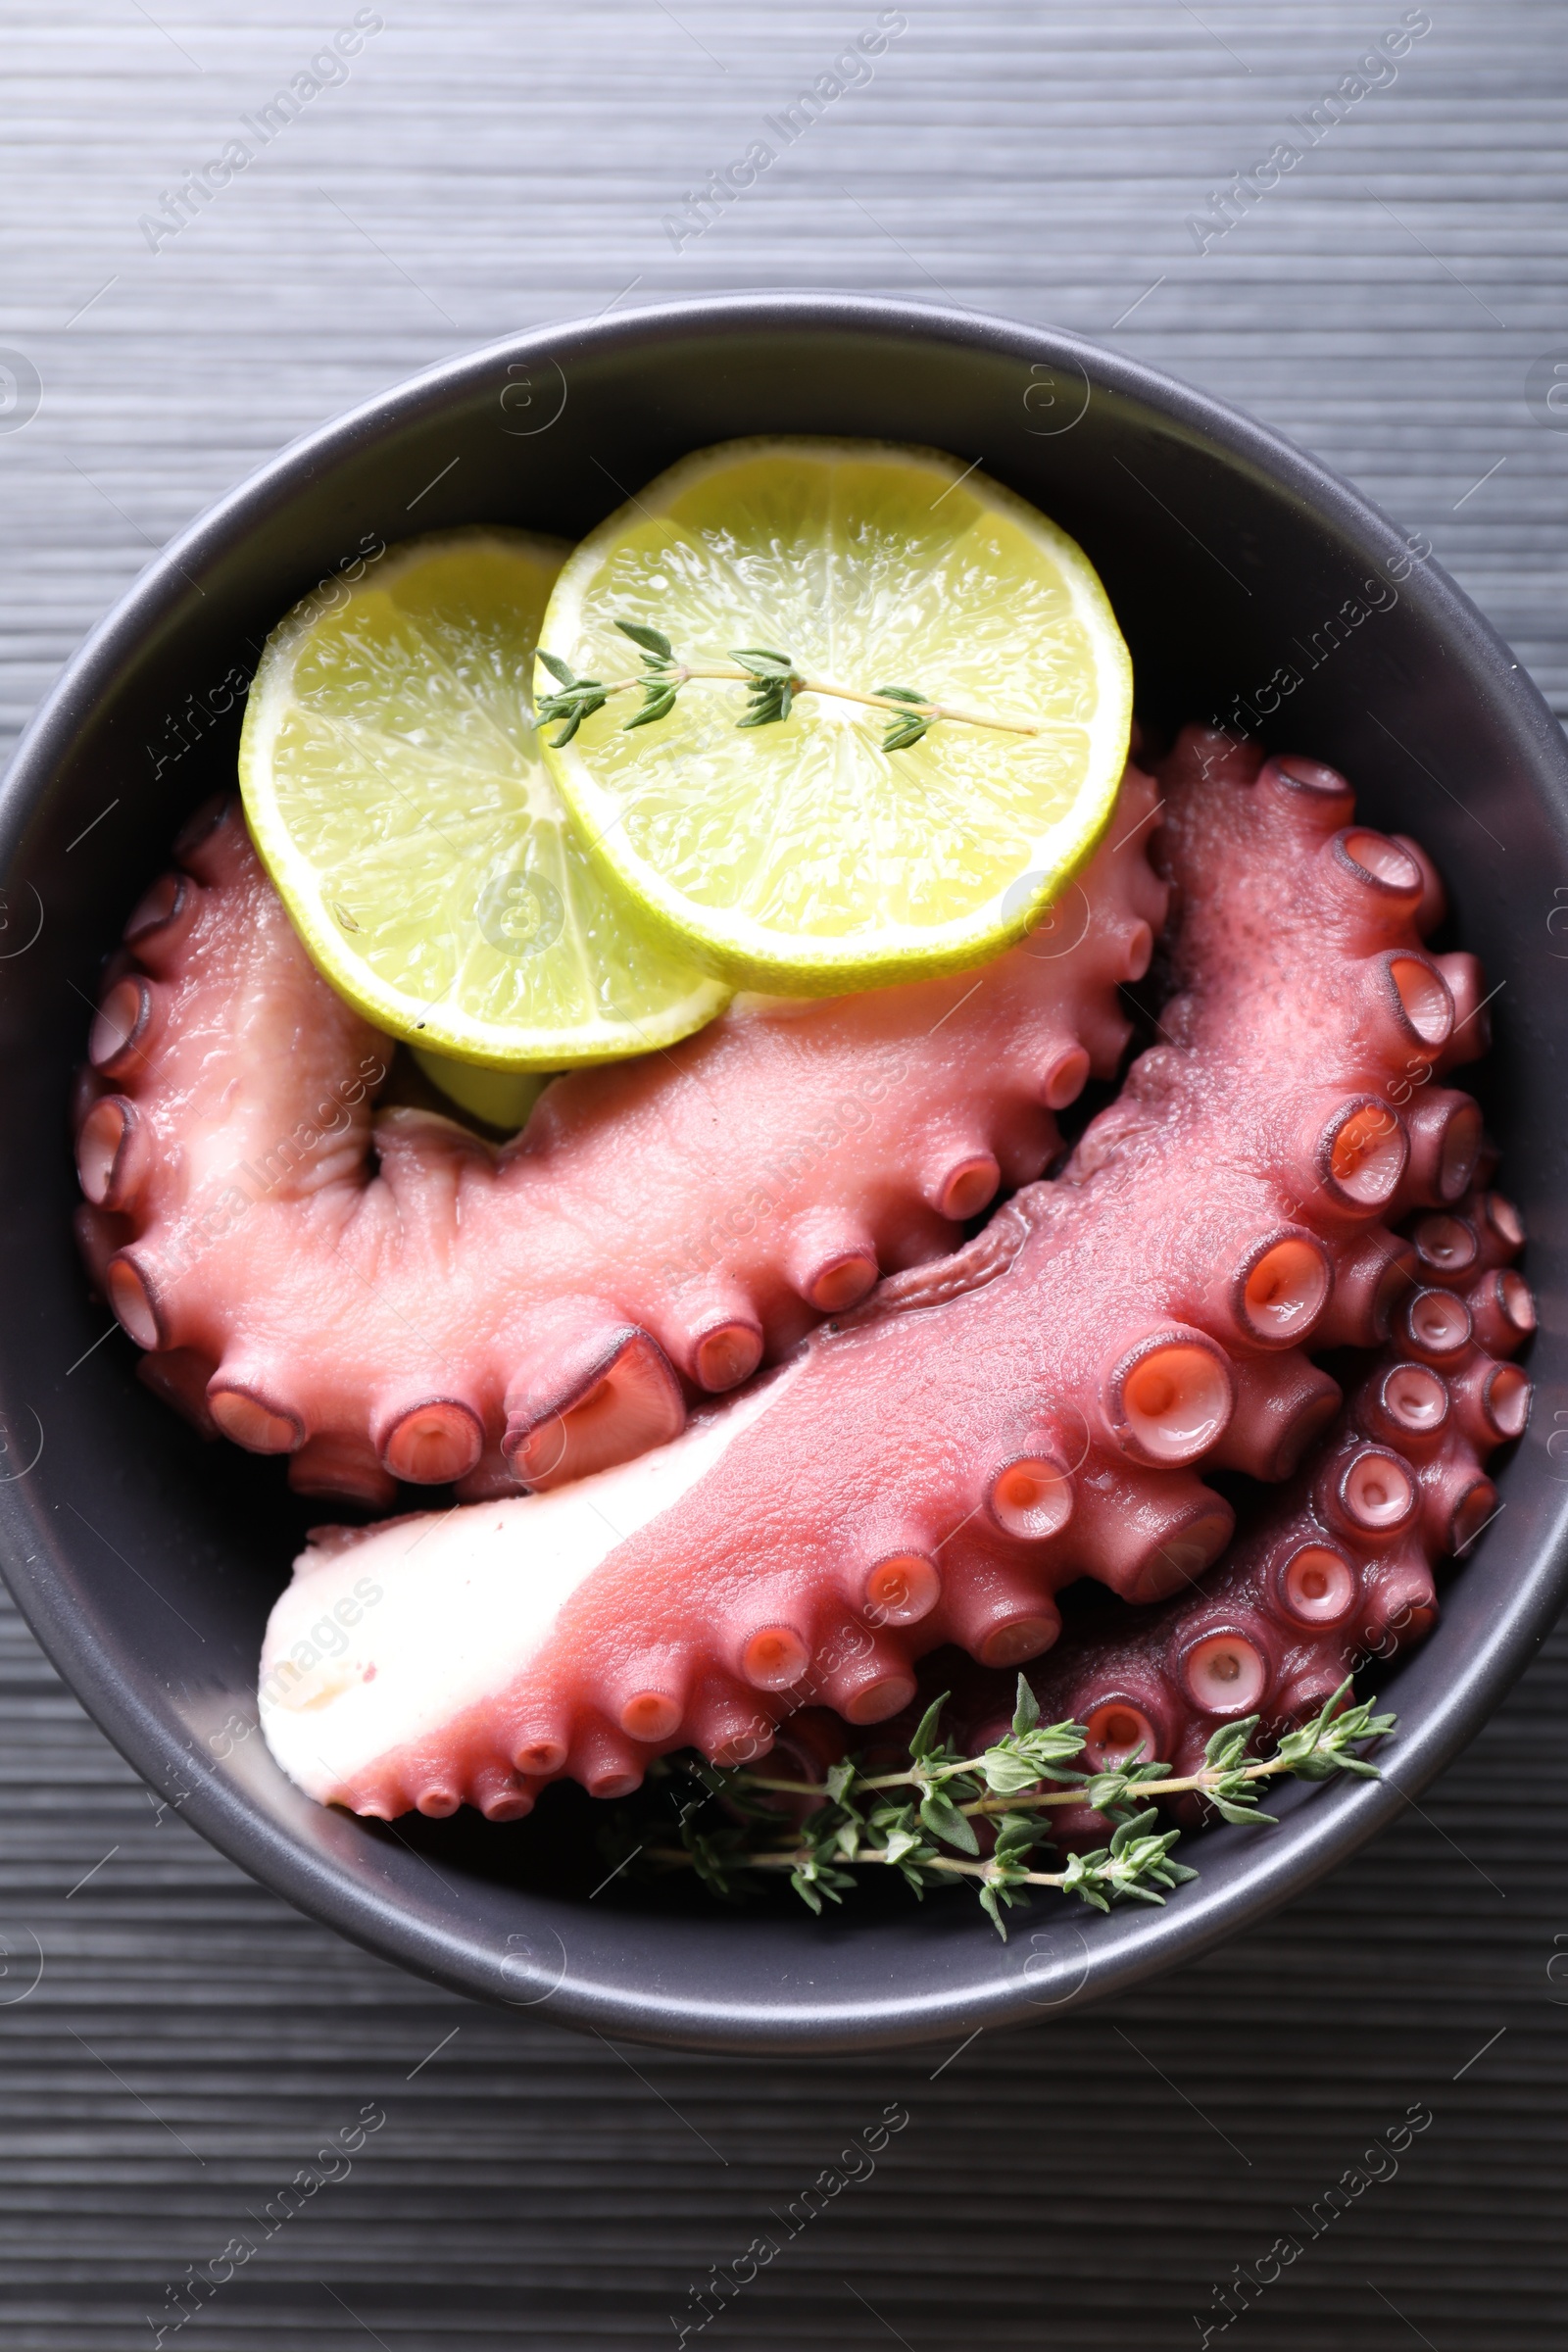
<point>772,680</point>
<point>923,1820</point>
<point>907,727</point>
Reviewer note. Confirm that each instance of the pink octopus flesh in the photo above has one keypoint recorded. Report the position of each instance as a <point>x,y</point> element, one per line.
<point>932,1468</point>
<point>389,1296</point>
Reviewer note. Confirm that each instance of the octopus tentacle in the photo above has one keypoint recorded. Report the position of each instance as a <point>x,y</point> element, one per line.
<point>385,1297</point>
<point>933,1467</point>
<point>1336,1571</point>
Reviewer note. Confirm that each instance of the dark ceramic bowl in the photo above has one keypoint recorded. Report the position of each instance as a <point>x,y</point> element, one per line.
<point>1253,586</point>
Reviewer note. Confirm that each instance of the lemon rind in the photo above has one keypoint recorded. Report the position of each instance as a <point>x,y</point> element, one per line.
<point>395,1012</point>
<point>745,953</point>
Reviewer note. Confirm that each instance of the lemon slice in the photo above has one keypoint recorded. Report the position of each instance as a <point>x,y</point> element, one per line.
<point>798,854</point>
<point>395,791</point>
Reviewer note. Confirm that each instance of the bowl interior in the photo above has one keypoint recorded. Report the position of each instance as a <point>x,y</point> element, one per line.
<point>1254,589</point>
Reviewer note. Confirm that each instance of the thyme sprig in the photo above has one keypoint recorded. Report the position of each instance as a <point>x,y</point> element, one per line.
<point>905,1820</point>
<point>771,680</point>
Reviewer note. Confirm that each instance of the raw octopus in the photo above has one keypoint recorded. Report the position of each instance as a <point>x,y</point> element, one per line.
<point>523,1316</point>
<point>931,1468</point>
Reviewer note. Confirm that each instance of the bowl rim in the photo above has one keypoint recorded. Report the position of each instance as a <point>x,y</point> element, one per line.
<point>1129,1948</point>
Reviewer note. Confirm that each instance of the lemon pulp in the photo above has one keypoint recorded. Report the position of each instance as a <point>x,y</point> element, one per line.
<point>393,782</point>
<point>801,856</point>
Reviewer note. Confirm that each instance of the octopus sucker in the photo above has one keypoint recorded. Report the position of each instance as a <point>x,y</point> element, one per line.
<point>1036,1408</point>
<point>385,1297</point>
<point>337,1469</point>
<point>1311,1592</point>
<point>1282,1404</point>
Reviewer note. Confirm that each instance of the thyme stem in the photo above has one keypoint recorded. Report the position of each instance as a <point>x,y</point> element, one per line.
<point>852,695</point>
<point>1260,1768</point>
<point>773,682</point>
<point>793,1857</point>
<point>901,1820</point>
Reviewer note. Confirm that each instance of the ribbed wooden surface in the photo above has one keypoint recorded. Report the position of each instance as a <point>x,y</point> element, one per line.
<point>190,2043</point>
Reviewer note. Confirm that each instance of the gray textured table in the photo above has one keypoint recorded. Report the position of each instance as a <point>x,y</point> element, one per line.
<point>190,2043</point>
